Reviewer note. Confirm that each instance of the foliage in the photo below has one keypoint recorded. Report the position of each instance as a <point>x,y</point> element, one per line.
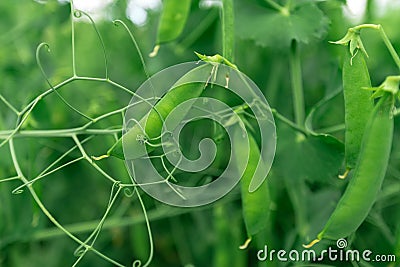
<point>281,45</point>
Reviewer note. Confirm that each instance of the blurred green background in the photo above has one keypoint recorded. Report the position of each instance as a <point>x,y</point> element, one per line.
<point>304,189</point>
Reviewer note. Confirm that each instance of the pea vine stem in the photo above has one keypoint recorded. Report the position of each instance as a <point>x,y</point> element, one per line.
<point>44,209</point>
<point>73,39</point>
<point>274,5</point>
<point>25,112</point>
<point>390,47</point>
<point>8,104</point>
<point>385,39</point>
<point>228,31</point>
<point>297,84</point>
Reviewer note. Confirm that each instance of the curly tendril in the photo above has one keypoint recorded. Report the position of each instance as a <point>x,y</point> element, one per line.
<point>137,263</point>
<point>80,251</point>
<point>128,192</point>
<point>146,72</point>
<point>80,12</point>
<point>17,191</point>
<point>20,189</point>
<point>77,13</point>
<point>39,63</point>
<point>78,134</point>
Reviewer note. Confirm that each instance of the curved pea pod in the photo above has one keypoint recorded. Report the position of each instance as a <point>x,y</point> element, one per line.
<point>369,172</point>
<point>358,104</point>
<point>149,128</point>
<point>172,22</point>
<point>256,205</point>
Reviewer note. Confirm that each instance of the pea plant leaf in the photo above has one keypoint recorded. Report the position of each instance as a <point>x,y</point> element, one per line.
<point>303,22</point>
<point>318,157</point>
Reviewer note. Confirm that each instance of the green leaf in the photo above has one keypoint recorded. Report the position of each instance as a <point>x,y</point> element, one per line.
<point>314,157</point>
<point>304,22</point>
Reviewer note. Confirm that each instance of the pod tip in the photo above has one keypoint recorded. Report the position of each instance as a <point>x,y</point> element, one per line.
<point>312,243</point>
<point>344,175</point>
<point>245,244</point>
<point>100,157</point>
<point>155,51</point>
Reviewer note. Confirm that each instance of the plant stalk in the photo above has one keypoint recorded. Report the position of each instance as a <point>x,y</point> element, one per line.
<point>297,84</point>
<point>228,31</point>
<point>385,39</point>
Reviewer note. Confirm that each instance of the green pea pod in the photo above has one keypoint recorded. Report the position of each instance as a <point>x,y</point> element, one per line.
<point>152,122</point>
<point>369,172</point>
<point>173,20</point>
<point>358,104</point>
<point>255,204</point>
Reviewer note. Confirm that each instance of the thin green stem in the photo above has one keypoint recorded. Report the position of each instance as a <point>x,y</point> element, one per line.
<point>58,133</point>
<point>46,212</point>
<point>15,161</point>
<point>228,31</point>
<point>10,179</point>
<point>73,38</point>
<point>88,159</point>
<point>366,26</point>
<point>68,132</point>
<point>390,47</point>
<point>39,63</point>
<point>274,5</point>
<point>332,129</point>
<point>19,188</point>
<point>146,72</point>
<point>8,104</point>
<point>289,122</point>
<point>120,87</point>
<point>44,94</point>
<point>95,233</point>
<point>297,84</point>
<point>73,133</point>
<point>21,122</point>
<point>146,218</point>
<point>385,39</point>
<point>112,222</point>
<point>116,22</point>
<point>63,156</point>
<point>101,42</point>
<point>65,231</point>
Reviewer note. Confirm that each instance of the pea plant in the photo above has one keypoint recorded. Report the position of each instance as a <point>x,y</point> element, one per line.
<point>211,134</point>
